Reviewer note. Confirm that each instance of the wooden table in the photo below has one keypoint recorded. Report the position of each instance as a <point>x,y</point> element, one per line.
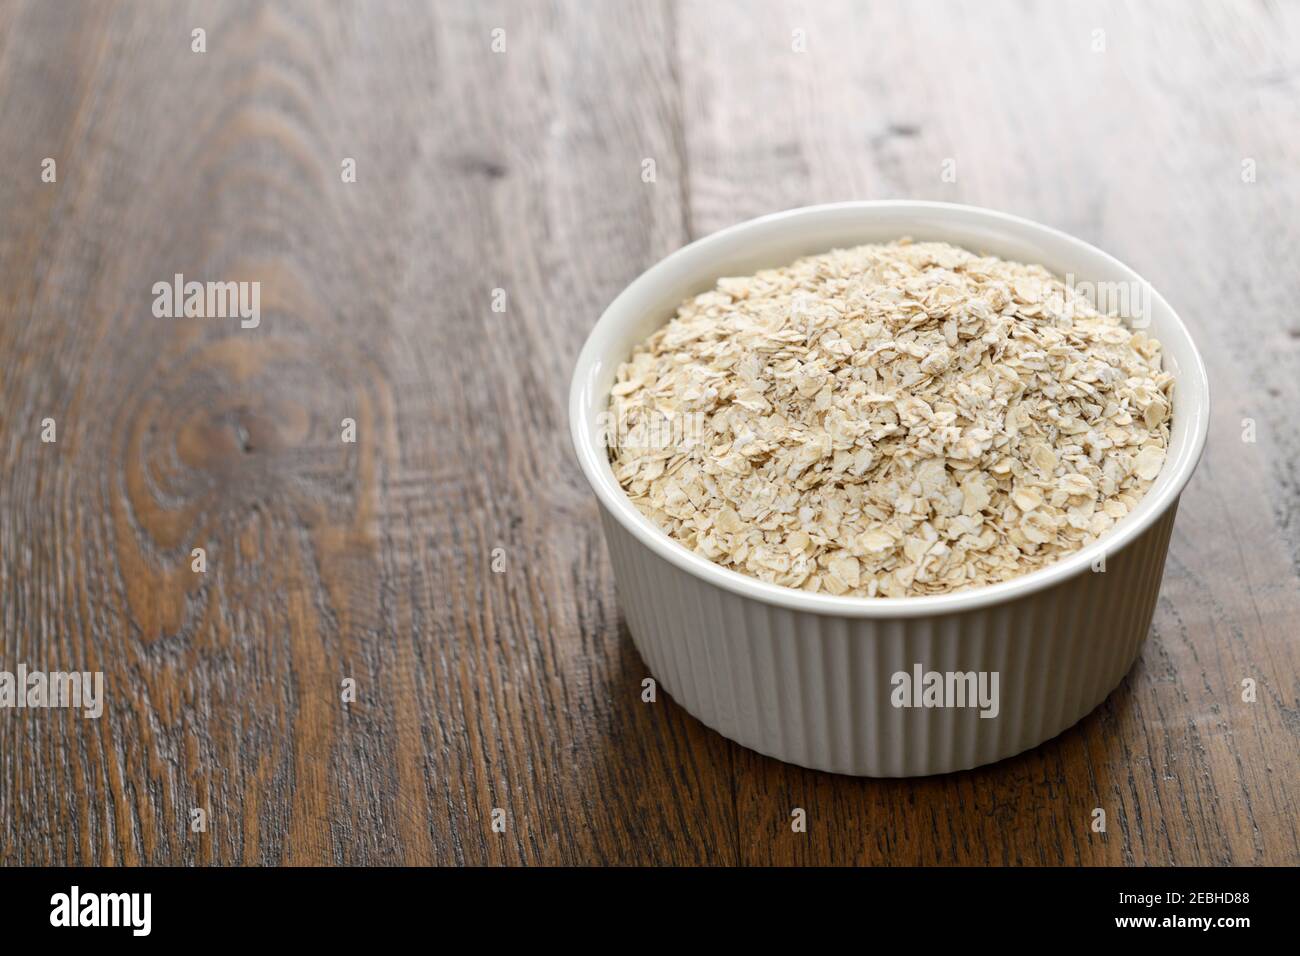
<point>1166,133</point>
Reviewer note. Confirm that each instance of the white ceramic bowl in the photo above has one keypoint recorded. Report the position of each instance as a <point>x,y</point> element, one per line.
<point>808,677</point>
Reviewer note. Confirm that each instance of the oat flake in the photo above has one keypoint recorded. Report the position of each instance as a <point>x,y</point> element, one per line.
<point>890,420</point>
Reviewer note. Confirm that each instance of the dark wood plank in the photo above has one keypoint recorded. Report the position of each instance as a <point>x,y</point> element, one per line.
<point>1139,150</point>
<point>328,560</point>
<point>521,171</point>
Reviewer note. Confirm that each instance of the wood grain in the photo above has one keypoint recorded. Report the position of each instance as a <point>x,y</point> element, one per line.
<point>522,171</point>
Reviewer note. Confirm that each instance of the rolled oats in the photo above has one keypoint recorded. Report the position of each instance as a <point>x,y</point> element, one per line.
<point>891,420</point>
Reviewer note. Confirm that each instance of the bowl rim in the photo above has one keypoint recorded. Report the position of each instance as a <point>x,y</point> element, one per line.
<point>613,499</point>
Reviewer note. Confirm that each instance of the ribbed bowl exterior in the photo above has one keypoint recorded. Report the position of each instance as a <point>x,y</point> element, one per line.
<point>815,689</point>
